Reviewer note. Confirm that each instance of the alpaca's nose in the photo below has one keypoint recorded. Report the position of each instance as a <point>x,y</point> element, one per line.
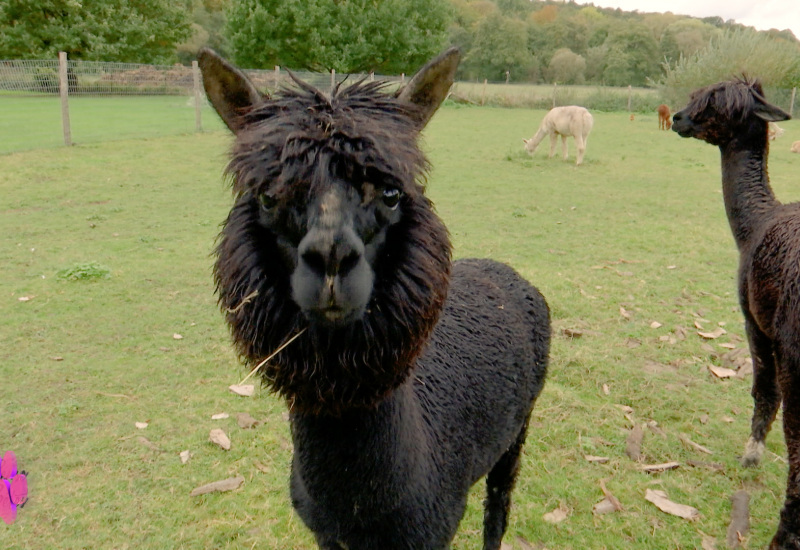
<point>331,254</point>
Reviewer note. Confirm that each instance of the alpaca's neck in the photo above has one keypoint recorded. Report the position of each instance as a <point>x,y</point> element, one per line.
<point>367,451</point>
<point>749,200</point>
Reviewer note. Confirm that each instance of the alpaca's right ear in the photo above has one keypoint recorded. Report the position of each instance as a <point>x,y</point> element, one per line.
<point>227,88</point>
<point>769,112</point>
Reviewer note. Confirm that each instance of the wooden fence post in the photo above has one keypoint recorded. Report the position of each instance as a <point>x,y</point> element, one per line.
<point>555,87</point>
<point>483,93</point>
<point>630,94</point>
<point>791,104</point>
<point>198,98</point>
<point>63,84</point>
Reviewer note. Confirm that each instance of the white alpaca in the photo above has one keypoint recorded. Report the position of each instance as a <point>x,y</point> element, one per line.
<point>563,121</point>
<point>774,131</point>
<point>795,147</point>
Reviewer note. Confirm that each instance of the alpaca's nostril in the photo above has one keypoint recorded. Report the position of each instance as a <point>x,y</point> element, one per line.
<point>315,261</point>
<point>348,263</point>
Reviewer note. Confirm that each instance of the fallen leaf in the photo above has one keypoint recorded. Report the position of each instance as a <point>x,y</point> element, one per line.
<point>727,345</point>
<point>218,486</point>
<point>633,343</point>
<point>24,298</point>
<point>177,336</point>
<point>655,324</point>
<point>185,456</point>
<point>572,332</point>
<point>218,437</point>
<point>598,459</point>
<point>605,506</point>
<point>219,416</point>
<point>716,333</point>
<point>56,358</point>
<point>245,390</point>
<point>703,419</point>
<point>625,408</point>
<point>653,468</point>
<point>653,427</point>
<point>610,497</point>
<point>556,516</point>
<point>624,312</point>
<point>261,467</point>
<point>606,389</point>
<point>746,368</point>
<point>722,372</point>
<point>713,466</point>
<point>149,444</point>
<point>141,425</point>
<point>689,442</point>
<point>727,419</point>
<point>659,498</point>
<point>246,421</point>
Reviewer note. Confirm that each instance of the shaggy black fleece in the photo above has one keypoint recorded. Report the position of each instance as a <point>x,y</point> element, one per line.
<point>414,376</point>
<point>734,116</point>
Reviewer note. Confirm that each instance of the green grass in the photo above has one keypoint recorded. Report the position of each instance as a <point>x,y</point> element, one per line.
<point>640,226</point>
<point>35,122</point>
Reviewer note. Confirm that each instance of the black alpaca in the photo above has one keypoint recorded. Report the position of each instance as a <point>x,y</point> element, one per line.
<point>410,382</point>
<point>734,115</point>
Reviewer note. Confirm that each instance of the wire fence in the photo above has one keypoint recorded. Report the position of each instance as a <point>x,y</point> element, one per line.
<point>48,103</point>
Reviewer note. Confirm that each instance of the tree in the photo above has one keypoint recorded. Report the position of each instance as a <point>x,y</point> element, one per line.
<point>566,67</point>
<point>500,47</point>
<point>685,38</point>
<point>391,36</point>
<point>633,55</point>
<point>145,31</point>
<point>734,52</point>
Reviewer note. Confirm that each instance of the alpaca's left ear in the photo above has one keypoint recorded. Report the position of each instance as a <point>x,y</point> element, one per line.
<point>769,112</point>
<point>428,88</point>
<point>228,89</point>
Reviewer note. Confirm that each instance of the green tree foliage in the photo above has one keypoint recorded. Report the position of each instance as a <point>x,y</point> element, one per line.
<point>143,31</point>
<point>208,20</point>
<point>566,67</point>
<point>632,52</point>
<point>388,36</point>
<point>686,37</point>
<point>500,47</point>
<point>735,52</point>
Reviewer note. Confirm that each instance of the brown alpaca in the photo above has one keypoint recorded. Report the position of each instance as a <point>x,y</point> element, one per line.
<point>664,122</point>
<point>734,116</point>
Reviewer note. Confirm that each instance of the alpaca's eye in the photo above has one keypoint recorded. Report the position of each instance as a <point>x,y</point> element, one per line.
<point>391,197</point>
<point>267,202</point>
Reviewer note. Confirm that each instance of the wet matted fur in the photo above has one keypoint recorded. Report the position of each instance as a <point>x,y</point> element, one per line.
<point>734,116</point>
<point>414,376</point>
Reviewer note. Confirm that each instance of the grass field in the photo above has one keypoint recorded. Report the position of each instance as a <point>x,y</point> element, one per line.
<point>35,122</point>
<point>632,251</point>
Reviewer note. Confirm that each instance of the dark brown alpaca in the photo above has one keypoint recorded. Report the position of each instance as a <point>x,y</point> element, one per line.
<point>734,115</point>
<point>414,376</point>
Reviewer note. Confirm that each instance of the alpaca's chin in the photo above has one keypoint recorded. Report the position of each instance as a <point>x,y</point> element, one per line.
<point>334,317</point>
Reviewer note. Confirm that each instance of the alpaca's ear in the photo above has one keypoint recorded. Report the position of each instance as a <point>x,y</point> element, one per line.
<point>769,112</point>
<point>227,88</point>
<point>428,88</point>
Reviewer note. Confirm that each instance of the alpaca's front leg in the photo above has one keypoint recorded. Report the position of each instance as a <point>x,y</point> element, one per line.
<point>580,143</point>
<point>765,392</point>
<point>553,140</point>
<point>564,149</point>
